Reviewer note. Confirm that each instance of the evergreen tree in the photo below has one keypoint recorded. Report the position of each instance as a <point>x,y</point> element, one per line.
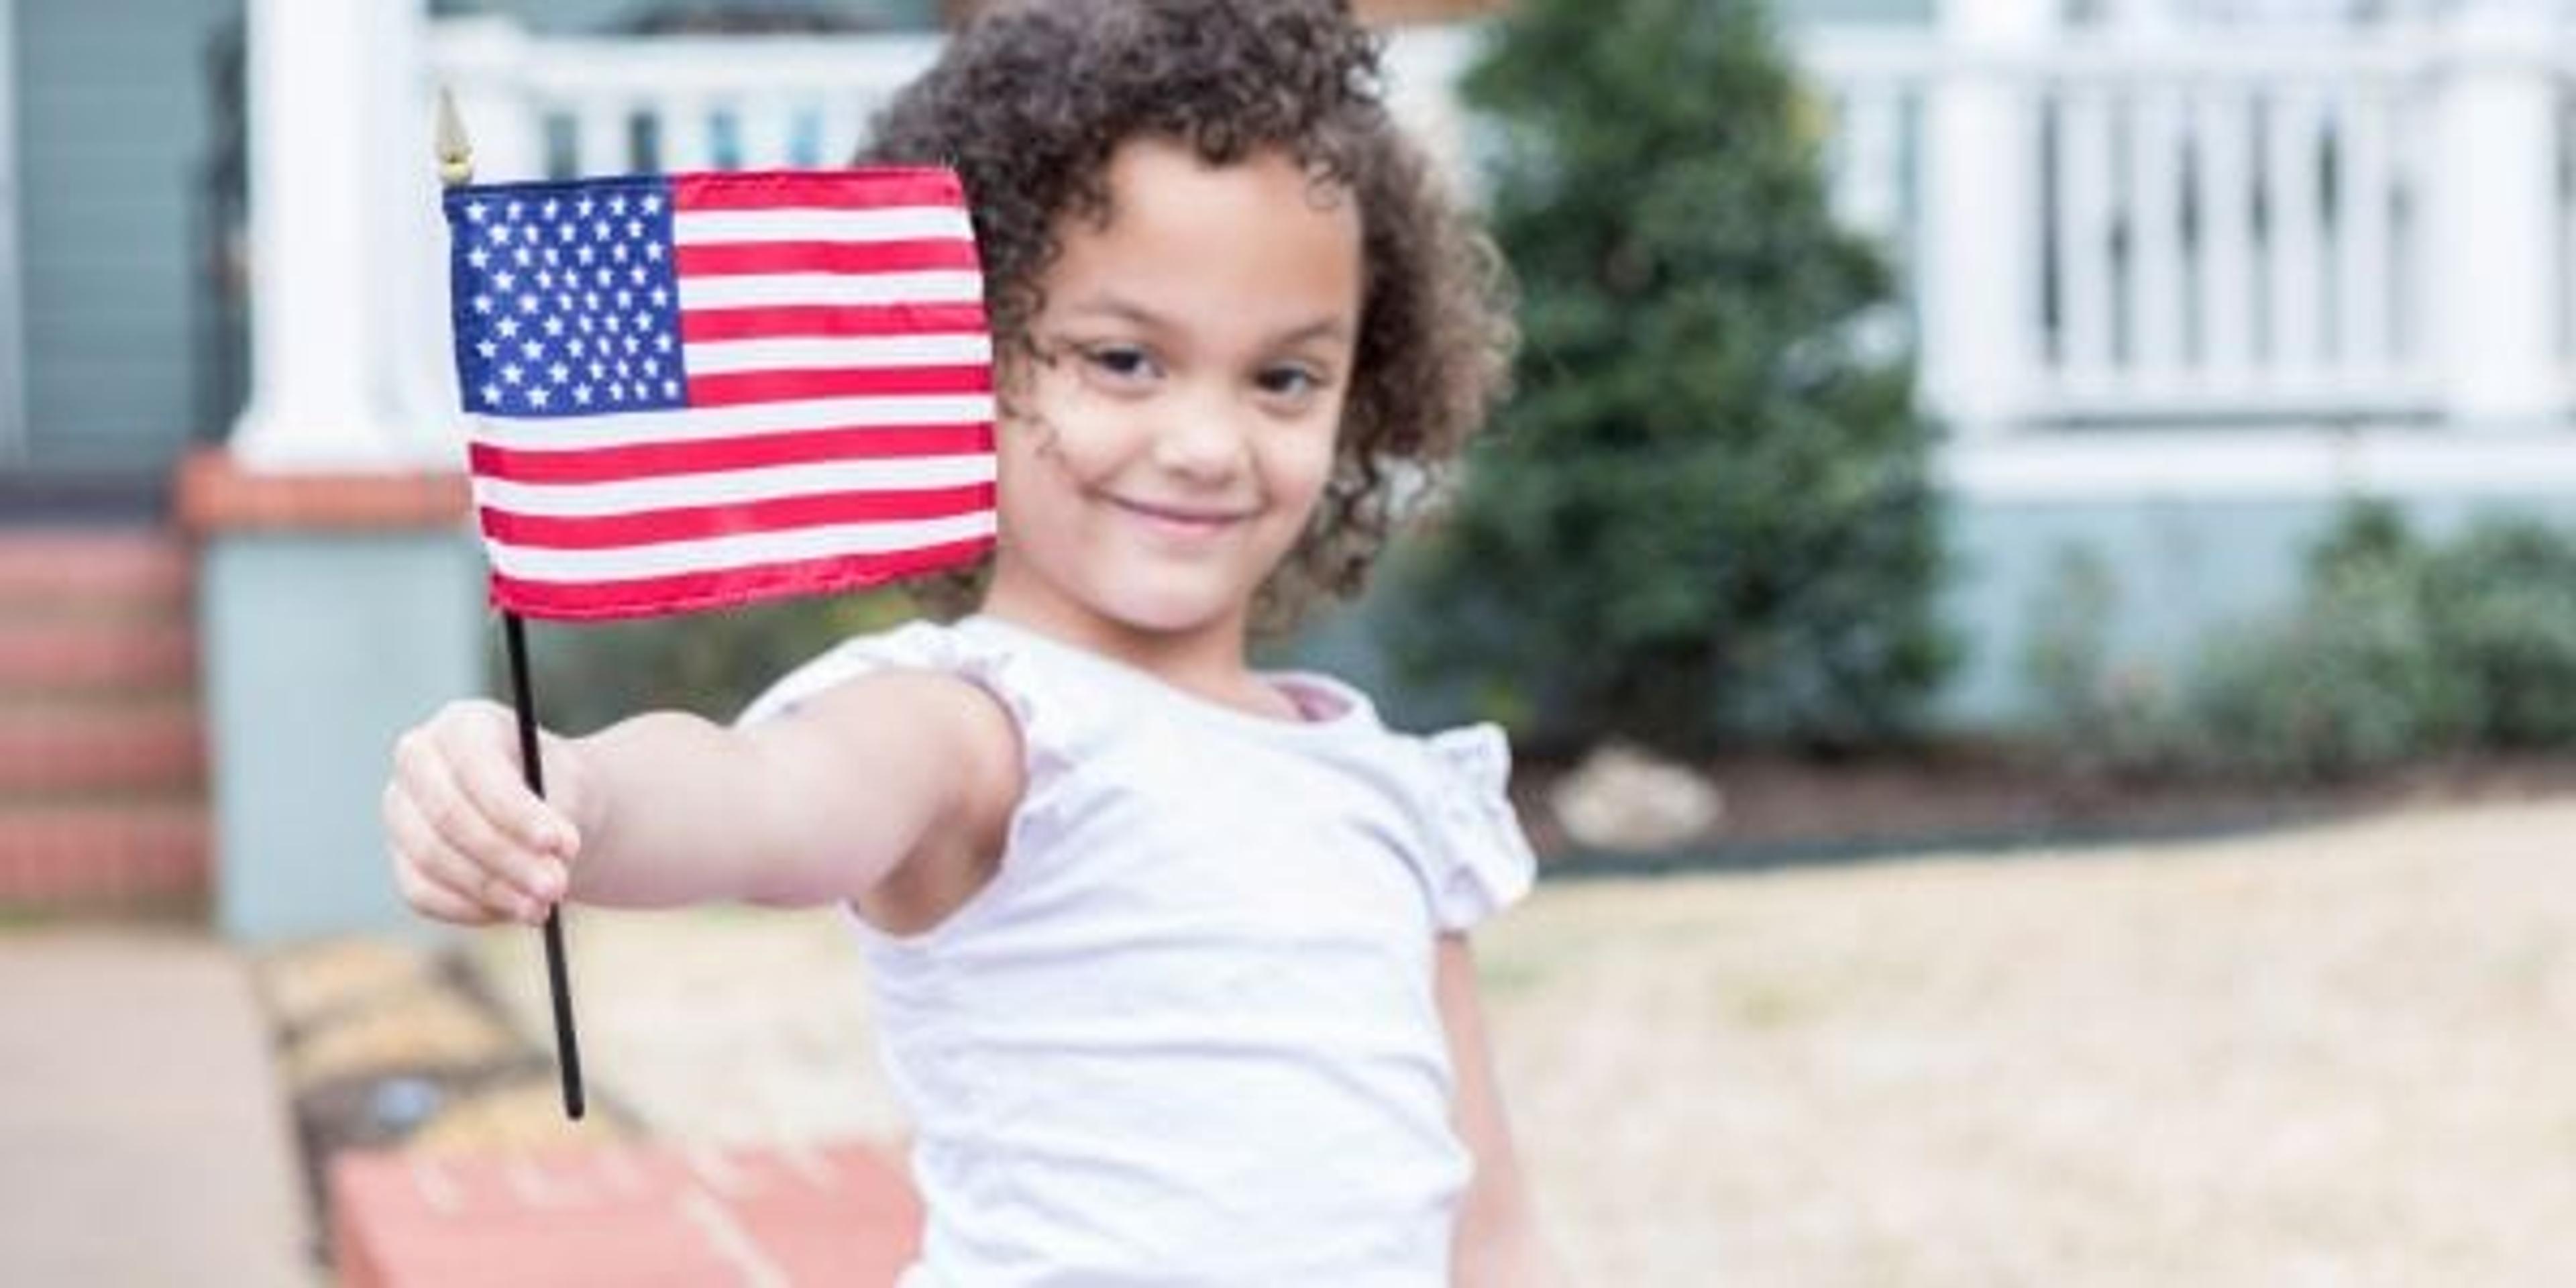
<point>1704,517</point>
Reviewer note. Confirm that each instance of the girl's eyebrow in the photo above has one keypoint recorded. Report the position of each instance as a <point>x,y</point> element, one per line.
<point>1116,306</point>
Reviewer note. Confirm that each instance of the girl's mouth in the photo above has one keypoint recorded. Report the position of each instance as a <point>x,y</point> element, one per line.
<point>1185,520</point>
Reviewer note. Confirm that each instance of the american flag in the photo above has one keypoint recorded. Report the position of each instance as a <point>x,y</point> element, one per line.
<point>705,389</point>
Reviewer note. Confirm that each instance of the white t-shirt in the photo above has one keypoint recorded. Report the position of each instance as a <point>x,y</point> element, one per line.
<point>1187,1035</point>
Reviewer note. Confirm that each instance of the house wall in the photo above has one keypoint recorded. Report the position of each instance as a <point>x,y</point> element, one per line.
<point>111,115</point>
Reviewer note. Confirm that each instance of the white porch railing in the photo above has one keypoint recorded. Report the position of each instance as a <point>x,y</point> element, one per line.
<point>2338,230</point>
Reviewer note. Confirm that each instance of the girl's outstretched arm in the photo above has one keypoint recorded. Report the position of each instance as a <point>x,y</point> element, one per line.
<point>1498,1243</point>
<point>665,809</point>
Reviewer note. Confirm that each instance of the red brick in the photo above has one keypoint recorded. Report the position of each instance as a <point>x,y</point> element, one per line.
<point>89,747</point>
<point>141,566</point>
<point>90,654</point>
<point>108,852</point>
<point>631,1215</point>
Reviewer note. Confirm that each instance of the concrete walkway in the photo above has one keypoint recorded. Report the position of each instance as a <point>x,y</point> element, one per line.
<point>143,1140</point>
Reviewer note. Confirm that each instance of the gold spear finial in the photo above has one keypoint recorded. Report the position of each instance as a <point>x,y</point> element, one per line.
<point>455,151</point>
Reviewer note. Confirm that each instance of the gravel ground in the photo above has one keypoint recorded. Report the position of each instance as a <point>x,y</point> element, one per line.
<point>2334,1056</point>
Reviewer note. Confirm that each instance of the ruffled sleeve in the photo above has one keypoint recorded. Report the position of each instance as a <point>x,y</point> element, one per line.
<point>1482,860</point>
<point>982,660</point>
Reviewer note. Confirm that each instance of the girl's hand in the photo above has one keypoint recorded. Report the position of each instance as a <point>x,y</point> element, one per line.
<point>470,843</point>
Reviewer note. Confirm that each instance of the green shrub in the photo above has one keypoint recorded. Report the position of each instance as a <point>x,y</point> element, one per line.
<point>1706,517</point>
<point>2501,601</point>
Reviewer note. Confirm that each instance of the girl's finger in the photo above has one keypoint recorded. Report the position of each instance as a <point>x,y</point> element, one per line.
<point>423,853</point>
<point>433,791</point>
<point>430,899</point>
<point>498,786</point>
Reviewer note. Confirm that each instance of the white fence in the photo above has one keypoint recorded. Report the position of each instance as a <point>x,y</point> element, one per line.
<point>2341,228</point>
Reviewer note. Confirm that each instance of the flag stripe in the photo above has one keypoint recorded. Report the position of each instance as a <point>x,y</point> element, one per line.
<point>710,392</point>
<point>730,519</point>
<point>872,188</point>
<point>922,223</point>
<point>689,592</point>
<point>729,356</point>
<point>747,258</point>
<point>707,324</point>
<point>746,550</point>
<point>716,423</point>
<point>581,500</point>
<point>769,290</point>
<point>657,459</point>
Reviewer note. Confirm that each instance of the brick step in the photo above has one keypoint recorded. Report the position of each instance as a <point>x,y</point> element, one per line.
<point>87,655</point>
<point>102,852</point>
<point>93,570</point>
<point>53,748</point>
<point>787,1217</point>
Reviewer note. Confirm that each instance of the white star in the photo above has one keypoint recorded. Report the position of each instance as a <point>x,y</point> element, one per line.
<point>670,388</point>
<point>636,275</point>
<point>559,373</point>
<point>653,250</point>
<point>474,212</point>
<point>551,208</point>
<point>633,343</point>
<point>652,366</point>
<point>617,204</point>
<point>511,373</point>
<point>584,206</point>
<point>659,297</point>
<point>507,328</point>
<point>480,258</point>
<point>505,279</point>
<point>576,346</point>
<point>483,304</point>
<point>634,228</point>
<point>599,231</point>
<point>613,323</point>
<point>545,280</point>
<point>581,395</point>
<point>566,232</point>
<point>491,395</point>
<point>523,256</point>
<point>652,204</point>
<point>517,209</point>
<point>529,304</point>
<point>537,395</point>
<point>662,342</point>
<point>618,252</point>
<point>625,298</point>
<point>533,350</point>
<point>554,325</point>
<point>488,349</point>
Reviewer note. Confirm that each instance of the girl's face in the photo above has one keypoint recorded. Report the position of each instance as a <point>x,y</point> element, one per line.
<point>1165,452</point>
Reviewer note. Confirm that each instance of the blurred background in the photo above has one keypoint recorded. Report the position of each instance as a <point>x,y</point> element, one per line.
<point>2028,570</point>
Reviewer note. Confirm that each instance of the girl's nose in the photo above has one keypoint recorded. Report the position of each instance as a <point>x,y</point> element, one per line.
<point>1201,435</point>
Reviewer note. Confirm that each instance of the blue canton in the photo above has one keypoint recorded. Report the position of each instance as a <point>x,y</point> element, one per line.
<point>566,302</point>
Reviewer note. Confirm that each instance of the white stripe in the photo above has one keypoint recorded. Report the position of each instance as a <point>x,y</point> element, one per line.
<point>890,223</point>
<point>714,424</point>
<point>718,554</point>
<point>791,289</point>
<point>591,500</point>
<point>724,357</point>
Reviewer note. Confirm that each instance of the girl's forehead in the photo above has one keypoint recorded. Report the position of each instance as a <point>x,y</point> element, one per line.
<point>1258,235</point>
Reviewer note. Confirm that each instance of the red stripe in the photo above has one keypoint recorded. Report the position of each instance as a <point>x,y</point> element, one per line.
<point>739,388</point>
<point>732,519</point>
<point>707,456</point>
<point>687,592</point>
<point>830,190</point>
<point>727,259</point>
<point>699,325</point>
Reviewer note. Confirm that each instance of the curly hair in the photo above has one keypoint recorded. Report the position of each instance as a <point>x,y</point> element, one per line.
<point>1029,103</point>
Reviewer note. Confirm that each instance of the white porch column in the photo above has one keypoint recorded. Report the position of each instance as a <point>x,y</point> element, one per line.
<point>325,83</point>
<point>2493,245</point>
<point>1979,278</point>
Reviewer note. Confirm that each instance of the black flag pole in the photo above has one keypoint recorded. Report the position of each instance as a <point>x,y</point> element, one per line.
<point>456,167</point>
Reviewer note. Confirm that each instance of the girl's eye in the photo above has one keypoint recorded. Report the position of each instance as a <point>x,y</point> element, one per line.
<point>1290,382</point>
<point>1120,362</point>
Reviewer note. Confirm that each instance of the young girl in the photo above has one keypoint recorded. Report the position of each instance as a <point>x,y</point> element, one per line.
<point>1169,952</point>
